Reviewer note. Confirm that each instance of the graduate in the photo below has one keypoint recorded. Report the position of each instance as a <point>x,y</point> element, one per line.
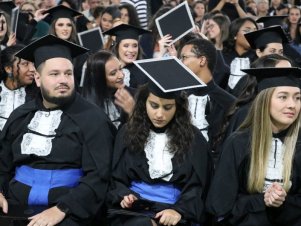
<point>50,154</point>
<point>160,159</point>
<point>257,179</point>
<point>264,42</point>
<point>104,86</point>
<point>17,84</point>
<point>127,49</point>
<point>209,104</point>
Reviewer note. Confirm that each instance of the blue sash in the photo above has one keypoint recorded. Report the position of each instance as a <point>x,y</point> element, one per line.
<point>160,192</point>
<point>41,181</point>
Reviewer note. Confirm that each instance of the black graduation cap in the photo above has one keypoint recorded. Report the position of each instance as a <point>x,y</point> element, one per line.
<point>260,38</point>
<point>271,20</point>
<point>125,31</point>
<point>91,39</point>
<point>62,11</point>
<point>277,76</point>
<point>49,47</point>
<point>167,76</point>
<point>177,22</point>
<point>7,7</point>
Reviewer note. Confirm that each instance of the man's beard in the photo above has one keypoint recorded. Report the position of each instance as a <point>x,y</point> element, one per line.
<point>59,101</point>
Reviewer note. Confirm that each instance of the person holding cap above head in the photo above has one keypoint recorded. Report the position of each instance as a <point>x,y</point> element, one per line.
<point>50,155</point>
<point>160,159</point>
<point>260,163</point>
<point>127,50</point>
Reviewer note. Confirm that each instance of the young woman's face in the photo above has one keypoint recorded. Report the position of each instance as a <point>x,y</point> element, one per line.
<point>63,28</point>
<point>294,16</point>
<point>247,27</point>
<point>125,15</point>
<point>106,22</point>
<point>114,75</point>
<point>128,51</point>
<point>271,48</point>
<point>213,30</point>
<point>23,72</point>
<point>3,26</point>
<point>160,111</point>
<point>285,107</point>
<point>199,9</point>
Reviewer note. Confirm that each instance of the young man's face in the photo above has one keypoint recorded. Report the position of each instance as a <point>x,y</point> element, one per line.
<point>56,81</point>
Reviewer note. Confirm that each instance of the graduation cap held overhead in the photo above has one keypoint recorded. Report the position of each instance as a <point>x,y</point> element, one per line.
<point>260,38</point>
<point>7,7</point>
<point>276,76</point>
<point>167,76</point>
<point>269,21</point>
<point>126,31</point>
<point>62,11</point>
<point>177,22</point>
<point>49,47</point>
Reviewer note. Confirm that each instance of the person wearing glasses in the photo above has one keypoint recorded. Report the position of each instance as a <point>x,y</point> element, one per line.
<point>207,105</point>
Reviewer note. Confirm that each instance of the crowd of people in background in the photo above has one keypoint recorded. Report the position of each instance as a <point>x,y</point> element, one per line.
<point>127,152</point>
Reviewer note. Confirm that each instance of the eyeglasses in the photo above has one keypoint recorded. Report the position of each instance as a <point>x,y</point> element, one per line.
<point>183,57</point>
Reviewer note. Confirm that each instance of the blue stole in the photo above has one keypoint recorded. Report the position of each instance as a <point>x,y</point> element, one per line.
<point>160,192</point>
<point>41,181</point>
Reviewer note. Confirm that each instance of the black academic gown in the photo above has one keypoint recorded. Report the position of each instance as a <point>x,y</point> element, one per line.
<point>218,105</point>
<point>228,196</point>
<point>189,175</point>
<point>83,140</point>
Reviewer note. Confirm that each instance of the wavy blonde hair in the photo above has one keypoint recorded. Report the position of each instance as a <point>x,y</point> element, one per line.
<point>259,121</point>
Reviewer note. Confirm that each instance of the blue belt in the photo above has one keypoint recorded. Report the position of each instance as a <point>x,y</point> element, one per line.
<point>160,192</point>
<point>41,181</point>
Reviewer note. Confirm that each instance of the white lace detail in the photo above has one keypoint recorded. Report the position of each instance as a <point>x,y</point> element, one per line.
<point>127,76</point>
<point>275,163</point>
<point>197,108</point>
<point>235,70</point>
<point>10,100</point>
<point>158,155</point>
<point>43,122</point>
<point>112,112</point>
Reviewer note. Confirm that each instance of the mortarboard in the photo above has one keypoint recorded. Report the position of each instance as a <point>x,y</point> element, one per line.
<point>177,22</point>
<point>167,76</point>
<point>91,39</point>
<point>125,31</point>
<point>269,21</point>
<point>62,11</point>
<point>7,7</point>
<point>272,77</point>
<point>49,47</point>
<point>260,38</point>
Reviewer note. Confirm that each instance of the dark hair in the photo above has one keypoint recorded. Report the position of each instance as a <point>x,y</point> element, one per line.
<point>297,39</point>
<point>95,87</point>
<point>229,44</point>
<point>73,36</point>
<point>8,58</point>
<point>113,11</point>
<point>180,130</point>
<point>153,27</point>
<point>202,47</point>
<point>97,12</point>
<point>249,91</point>
<point>72,3</point>
<point>133,16</point>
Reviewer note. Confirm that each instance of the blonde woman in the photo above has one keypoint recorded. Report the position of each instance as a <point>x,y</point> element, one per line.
<point>257,181</point>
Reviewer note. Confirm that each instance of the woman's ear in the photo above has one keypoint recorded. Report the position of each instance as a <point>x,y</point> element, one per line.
<point>258,53</point>
<point>8,69</point>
